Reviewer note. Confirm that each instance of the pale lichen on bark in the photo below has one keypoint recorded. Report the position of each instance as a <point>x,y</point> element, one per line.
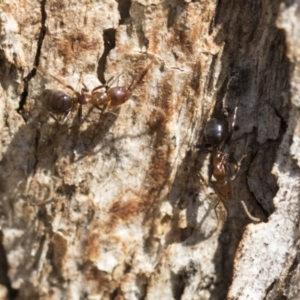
<point>123,213</point>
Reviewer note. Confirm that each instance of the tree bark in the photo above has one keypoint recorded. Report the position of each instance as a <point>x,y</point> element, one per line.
<point>120,205</point>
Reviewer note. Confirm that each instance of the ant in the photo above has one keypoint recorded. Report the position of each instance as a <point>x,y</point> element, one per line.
<point>221,171</point>
<point>57,102</point>
<point>115,96</point>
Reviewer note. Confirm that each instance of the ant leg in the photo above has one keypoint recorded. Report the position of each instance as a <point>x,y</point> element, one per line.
<point>66,117</point>
<point>138,77</point>
<point>106,106</point>
<point>111,113</point>
<point>102,110</point>
<point>51,115</point>
<point>71,88</point>
<point>216,213</point>
<point>109,82</point>
<point>76,96</point>
<point>248,213</point>
<point>100,87</point>
<point>222,145</point>
<point>105,110</point>
<point>57,79</point>
<point>63,120</point>
<point>85,88</point>
<point>98,107</point>
<point>233,174</point>
<point>233,120</point>
<point>82,119</point>
<point>112,79</point>
<point>79,113</point>
<point>238,165</point>
<point>210,174</point>
<point>61,82</point>
<point>203,148</point>
<point>224,159</point>
<point>219,200</point>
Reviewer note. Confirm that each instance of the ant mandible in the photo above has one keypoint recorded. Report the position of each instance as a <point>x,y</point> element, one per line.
<point>221,171</point>
<point>57,102</point>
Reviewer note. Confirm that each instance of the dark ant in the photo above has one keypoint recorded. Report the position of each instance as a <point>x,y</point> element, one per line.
<point>57,102</point>
<point>221,171</point>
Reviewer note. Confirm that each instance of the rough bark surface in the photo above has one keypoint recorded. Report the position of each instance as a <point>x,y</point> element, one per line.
<point>119,206</point>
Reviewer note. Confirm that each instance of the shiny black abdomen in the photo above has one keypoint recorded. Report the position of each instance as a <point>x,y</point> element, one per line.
<point>56,101</point>
<point>214,132</point>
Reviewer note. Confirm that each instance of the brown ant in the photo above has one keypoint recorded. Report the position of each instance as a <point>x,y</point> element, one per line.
<point>115,96</point>
<point>57,102</point>
<point>221,171</point>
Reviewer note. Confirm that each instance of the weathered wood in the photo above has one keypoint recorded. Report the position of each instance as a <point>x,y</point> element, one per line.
<point>119,207</point>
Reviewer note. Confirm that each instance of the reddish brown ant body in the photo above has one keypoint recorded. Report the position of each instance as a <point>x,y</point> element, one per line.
<point>57,102</point>
<point>221,171</point>
<point>115,96</point>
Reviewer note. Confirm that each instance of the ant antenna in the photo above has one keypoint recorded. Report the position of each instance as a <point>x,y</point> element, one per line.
<point>222,145</point>
<point>108,83</point>
<point>142,74</point>
<point>248,213</point>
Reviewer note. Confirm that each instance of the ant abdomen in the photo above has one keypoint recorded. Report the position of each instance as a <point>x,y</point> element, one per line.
<point>214,132</point>
<point>56,101</point>
<point>118,95</point>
